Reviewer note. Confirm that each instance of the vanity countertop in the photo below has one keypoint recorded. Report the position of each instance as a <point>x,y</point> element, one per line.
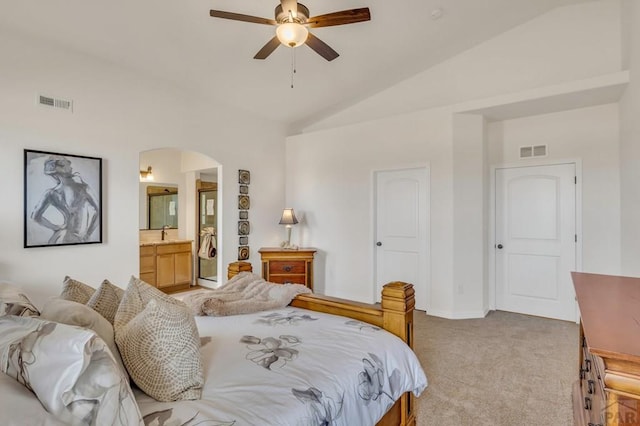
<point>160,242</point>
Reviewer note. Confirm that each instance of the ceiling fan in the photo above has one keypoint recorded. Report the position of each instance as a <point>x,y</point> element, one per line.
<point>292,19</point>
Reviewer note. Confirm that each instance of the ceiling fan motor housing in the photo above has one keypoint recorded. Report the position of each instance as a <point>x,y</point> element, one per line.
<point>282,16</point>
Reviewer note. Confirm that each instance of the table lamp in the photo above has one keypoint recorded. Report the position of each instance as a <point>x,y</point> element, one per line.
<point>288,218</point>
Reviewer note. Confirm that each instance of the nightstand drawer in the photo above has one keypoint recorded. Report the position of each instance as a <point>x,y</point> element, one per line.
<point>288,279</point>
<point>286,267</point>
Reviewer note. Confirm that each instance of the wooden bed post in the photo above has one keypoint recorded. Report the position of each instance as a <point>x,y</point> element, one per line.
<point>398,301</point>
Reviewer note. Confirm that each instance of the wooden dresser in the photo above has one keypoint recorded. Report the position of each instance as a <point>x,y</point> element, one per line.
<point>167,265</point>
<point>608,390</point>
<point>288,266</point>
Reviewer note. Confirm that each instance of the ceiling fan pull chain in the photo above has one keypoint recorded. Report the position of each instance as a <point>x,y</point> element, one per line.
<point>293,64</point>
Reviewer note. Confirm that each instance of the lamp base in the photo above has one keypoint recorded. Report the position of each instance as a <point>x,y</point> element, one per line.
<point>287,246</point>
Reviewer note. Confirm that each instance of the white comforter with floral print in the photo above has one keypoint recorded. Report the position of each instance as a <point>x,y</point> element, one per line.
<point>293,367</point>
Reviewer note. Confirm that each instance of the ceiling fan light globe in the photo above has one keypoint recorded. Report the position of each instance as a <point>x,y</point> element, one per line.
<point>292,34</point>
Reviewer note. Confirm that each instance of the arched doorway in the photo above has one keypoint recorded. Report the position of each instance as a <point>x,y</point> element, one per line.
<point>183,214</point>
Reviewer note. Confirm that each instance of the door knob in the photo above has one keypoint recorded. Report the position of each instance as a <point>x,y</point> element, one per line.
<point>499,246</point>
<point>378,243</point>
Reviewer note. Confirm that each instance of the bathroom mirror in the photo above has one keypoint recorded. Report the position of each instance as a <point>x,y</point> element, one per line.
<point>161,202</point>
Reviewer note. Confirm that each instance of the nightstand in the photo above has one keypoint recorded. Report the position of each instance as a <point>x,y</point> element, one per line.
<point>285,266</point>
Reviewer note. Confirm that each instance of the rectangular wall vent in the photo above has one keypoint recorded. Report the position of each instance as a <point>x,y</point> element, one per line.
<point>533,151</point>
<point>55,102</point>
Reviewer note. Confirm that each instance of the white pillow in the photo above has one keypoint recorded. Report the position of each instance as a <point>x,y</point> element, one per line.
<point>14,302</point>
<point>70,370</point>
<point>74,313</point>
<point>161,349</point>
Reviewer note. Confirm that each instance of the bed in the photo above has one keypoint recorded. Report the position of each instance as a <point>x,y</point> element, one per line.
<point>272,350</point>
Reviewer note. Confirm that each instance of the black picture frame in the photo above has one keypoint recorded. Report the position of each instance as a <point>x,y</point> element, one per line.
<point>50,217</point>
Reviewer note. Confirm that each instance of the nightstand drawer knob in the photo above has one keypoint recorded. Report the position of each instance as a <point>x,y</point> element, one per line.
<point>287,268</point>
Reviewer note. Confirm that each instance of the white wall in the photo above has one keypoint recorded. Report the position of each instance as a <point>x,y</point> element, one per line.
<point>331,183</point>
<point>329,166</point>
<point>590,135</point>
<point>630,144</point>
<point>469,218</point>
<point>118,114</point>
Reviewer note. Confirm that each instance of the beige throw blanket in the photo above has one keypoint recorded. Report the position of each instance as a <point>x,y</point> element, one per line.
<point>243,294</point>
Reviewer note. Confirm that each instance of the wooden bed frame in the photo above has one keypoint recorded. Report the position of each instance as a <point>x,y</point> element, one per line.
<point>394,314</point>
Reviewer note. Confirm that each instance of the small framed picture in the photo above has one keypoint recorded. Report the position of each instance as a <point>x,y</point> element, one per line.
<point>243,241</point>
<point>244,202</point>
<point>62,199</point>
<point>244,189</point>
<point>243,253</point>
<point>244,177</point>
<point>243,227</point>
<point>243,214</point>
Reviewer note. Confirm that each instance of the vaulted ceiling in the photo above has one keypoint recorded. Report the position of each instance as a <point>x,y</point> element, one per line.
<point>177,41</point>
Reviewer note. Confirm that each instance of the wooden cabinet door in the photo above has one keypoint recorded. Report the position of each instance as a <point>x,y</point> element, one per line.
<point>165,270</point>
<point>182,268</point>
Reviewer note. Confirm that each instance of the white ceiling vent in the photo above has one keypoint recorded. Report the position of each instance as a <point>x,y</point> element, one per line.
<point>533,151</point>
<point>55,103</point>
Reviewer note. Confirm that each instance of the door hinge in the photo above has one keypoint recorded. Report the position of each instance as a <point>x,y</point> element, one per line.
<point>576,238</point>
<point>575,180</point>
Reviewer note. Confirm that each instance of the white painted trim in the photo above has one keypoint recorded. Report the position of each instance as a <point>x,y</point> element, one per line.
<point>459,315</point>
<point>577,162</point>
<point>373,225</point>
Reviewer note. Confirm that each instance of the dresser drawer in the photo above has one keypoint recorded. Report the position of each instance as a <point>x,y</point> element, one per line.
<point>286,267</point>
<point>288,279</point>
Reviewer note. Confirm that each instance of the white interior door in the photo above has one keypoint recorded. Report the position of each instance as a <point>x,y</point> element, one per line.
<point>402,220</point>
<point>536,240</point>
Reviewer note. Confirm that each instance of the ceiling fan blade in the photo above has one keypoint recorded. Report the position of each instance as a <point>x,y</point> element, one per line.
<point>290,5</point>
<point>268,48</point>
<point>340,18</point>
<point>321,48</point>
<point>240,17</point>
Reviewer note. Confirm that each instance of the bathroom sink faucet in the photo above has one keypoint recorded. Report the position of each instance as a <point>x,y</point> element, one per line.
<point>164,231</point>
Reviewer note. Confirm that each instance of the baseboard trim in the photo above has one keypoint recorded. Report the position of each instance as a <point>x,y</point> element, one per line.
<point>459,315</point>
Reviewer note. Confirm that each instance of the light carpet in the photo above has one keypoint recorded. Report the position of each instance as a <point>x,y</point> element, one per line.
<point>506,369</point>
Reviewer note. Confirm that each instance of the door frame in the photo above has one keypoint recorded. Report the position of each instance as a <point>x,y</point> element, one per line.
<point>373,229</point>
<point>577,162</point>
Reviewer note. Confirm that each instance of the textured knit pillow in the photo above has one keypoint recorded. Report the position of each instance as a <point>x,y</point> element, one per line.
<point>161,349</point>
<point>76,291</point>
<point>69,369</point>
<point>135,298</point>
<point>14,302</point>
<point>106,299</point>
<point>74,313</point>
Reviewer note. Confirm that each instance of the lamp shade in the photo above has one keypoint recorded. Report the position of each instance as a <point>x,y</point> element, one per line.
<point>288,217</point>
<point>292,34</point>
